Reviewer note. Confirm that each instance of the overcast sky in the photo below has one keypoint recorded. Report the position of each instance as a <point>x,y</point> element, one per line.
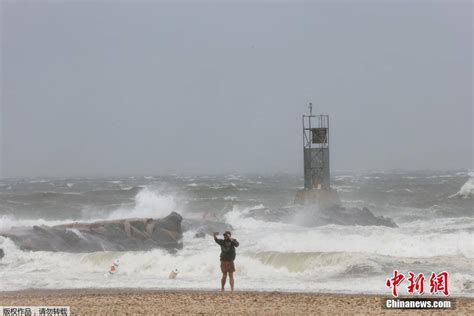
<point>120,88</point>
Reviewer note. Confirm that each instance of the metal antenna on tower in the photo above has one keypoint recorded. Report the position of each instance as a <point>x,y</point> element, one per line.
<point>310,108</point>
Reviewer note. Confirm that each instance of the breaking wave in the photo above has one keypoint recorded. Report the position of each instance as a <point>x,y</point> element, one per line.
<point>149,203</point>
<point>417,239</point>
<point>198,268</point>
<point>467,190</point>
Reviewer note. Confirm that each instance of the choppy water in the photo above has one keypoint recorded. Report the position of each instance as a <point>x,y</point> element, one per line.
<point>434,211</point>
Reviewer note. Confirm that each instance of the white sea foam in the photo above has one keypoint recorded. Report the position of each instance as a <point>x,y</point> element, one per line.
<point>272,256</point>
<point>421,239</point>
<point>230,198</point>
<point>344,188</point>
<point>262,264</point>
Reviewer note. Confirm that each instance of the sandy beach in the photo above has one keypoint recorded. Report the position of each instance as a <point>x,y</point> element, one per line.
<point>147,302</point>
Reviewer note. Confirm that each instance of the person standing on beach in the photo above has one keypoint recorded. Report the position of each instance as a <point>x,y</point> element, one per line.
<point>227,257</point>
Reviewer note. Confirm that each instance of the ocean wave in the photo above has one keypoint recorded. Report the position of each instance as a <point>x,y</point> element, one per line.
<point>344,188</point>
<point>317,263</point>
<point>198,264</point>
<point>467,190</point>
<point>149,203</point>
<point>341,264</point>
<point>42,196</point>
<point>272,255</point>
<point>421,239</point>
<point>128,190</point>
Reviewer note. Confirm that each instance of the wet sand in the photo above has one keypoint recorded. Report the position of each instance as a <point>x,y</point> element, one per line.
<point>158,302</point>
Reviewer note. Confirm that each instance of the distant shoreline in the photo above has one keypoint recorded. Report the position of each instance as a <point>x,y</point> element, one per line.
<point>131,290</point>
<point>145,302</point>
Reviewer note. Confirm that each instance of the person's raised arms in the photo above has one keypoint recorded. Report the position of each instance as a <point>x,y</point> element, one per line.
<point>235,242</point>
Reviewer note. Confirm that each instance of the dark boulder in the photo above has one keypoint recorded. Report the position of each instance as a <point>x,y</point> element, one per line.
<point>311,216</point>
<point>113,235</point>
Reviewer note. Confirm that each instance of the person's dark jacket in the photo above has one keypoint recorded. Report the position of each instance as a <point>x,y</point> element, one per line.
<point>227,248</point>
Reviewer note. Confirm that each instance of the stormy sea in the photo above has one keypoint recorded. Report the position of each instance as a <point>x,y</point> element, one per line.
<point>429,214</point>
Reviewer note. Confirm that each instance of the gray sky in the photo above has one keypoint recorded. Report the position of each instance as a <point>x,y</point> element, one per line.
<point>114,88</point>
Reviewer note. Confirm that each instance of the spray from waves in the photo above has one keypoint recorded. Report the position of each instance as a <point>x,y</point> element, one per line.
<point>272,256</point>
<point>198,264</point>
<point>467,190</point>
<point>198,268</point>
<point>148,203</point>
<point>331,258</point>
<point>421,239</point>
